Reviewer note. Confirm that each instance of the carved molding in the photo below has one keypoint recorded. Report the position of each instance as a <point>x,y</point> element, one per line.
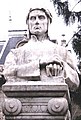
<point>12,106</point>
<point>35,109</point>
<point>58,106</point>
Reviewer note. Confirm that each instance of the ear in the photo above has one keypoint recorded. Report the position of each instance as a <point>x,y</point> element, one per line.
<point>28,32</point>
<point>26,21</point>
<point>48,22</point>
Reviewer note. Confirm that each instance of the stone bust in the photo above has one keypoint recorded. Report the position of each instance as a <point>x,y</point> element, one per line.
<point>40,58</point>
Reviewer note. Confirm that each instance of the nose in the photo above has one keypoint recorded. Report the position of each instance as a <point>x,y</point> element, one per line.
<point>37,21</point>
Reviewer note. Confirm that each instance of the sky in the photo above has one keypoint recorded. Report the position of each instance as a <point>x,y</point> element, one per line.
<point>3,19</point>
<point>18,9</point>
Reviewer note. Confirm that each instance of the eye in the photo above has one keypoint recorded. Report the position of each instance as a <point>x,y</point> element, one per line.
<point>41,17</point>
<point>32,18</point>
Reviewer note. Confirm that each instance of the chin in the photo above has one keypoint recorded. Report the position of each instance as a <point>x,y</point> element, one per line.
<point>37,33</point>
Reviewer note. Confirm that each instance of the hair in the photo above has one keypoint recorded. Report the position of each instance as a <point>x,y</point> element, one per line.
<point>48,14</point>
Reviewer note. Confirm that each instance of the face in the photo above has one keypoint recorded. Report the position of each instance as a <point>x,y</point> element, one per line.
<point>38,22</point>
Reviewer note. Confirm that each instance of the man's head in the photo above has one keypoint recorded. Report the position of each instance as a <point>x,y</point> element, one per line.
<point>38,21</point>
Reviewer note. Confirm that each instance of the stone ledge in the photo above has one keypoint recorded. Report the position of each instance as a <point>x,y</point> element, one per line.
<point>37,88</point>
<point>39,117</point>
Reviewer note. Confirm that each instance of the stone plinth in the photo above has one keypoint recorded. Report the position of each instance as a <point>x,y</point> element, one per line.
<point>36,100</point>
<point>2,96</point>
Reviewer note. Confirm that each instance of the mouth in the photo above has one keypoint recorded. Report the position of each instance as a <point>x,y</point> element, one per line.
<point>36,28</point>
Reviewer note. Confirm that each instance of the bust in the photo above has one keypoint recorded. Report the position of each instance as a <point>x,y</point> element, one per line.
<point>40,58</point>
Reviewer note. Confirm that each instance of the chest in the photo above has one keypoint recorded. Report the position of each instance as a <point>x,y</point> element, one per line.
<point>36,51</point>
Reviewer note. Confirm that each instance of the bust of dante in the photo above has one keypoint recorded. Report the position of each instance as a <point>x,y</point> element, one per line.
<point>40,58</point>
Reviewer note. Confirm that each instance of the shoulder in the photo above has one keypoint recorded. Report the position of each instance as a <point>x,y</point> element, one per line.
<point>57,45</point>
<point>21,43</point>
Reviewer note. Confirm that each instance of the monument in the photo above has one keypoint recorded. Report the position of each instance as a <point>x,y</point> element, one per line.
<point>39,75</point>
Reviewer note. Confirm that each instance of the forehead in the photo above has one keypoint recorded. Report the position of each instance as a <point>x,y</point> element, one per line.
<point>36,13</point>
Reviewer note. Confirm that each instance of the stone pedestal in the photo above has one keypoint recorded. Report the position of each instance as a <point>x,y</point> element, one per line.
<point>2,97</point>
<point>36,100</point>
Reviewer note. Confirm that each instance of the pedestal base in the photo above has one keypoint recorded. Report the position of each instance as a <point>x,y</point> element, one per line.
<point>36,101</point>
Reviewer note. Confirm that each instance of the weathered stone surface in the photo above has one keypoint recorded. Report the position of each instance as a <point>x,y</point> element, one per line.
<point>40,74</point>
<point>12,106</point>
<point>58,106</point>
<point>35,97</point>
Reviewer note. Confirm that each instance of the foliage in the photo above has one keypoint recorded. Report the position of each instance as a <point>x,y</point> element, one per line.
<point>63,9</point>
<point>76,43</point>
<point>70,16</point>
<point>78,118</point>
